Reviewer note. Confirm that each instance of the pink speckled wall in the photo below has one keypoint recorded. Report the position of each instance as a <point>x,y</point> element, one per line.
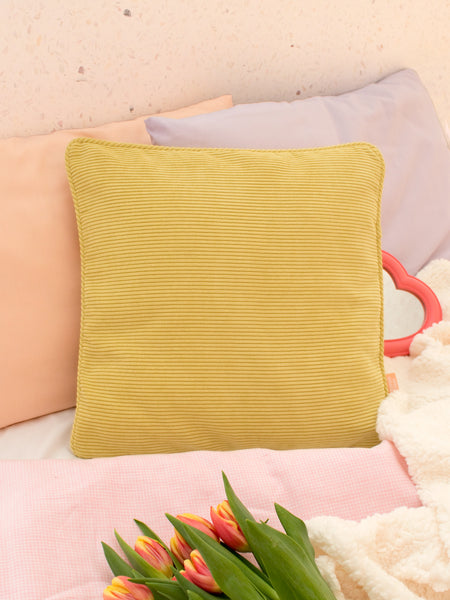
<point>67,64</point>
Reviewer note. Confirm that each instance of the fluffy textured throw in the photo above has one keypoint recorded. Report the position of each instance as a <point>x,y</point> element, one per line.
<point>404,554</point>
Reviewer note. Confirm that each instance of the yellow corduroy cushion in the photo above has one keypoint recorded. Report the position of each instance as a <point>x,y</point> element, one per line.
<point>230,298</point>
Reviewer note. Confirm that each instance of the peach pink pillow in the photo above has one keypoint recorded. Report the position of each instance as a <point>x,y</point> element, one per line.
<point>40,268</point>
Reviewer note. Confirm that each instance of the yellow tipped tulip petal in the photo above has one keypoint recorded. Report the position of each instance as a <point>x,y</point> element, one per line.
<point>196,571</point>
<point>199,523</point>
<point>179,547</point>
<point>154,553</point>
<point>228,528</point>
<point>123,589</point>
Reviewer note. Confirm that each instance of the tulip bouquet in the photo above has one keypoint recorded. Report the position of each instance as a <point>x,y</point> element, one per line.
<point>204,559</point>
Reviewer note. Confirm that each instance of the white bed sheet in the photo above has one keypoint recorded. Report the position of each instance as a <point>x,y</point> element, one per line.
<point>44,437</point>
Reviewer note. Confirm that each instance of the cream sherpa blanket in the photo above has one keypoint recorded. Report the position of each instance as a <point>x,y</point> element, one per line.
<point>405,554</point>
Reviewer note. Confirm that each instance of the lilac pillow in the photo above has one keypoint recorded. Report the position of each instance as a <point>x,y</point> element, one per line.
<point>395,114</point>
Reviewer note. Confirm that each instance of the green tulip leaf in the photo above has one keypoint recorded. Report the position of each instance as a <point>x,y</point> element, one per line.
<point>241,514</point>
<point>296,529</point>
<point>288,565</point>
<point>193,596</point>
<point>248,564</point>
<point>148,532</point>
<point>137,561</point>
<point>235,578</point>
<point>164,589</point>
<point>116,563</point>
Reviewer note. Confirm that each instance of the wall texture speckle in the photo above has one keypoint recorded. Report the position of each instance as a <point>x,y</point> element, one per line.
<point>82,63</point>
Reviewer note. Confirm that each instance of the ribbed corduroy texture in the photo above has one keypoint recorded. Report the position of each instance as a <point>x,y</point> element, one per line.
<point>230,298</point>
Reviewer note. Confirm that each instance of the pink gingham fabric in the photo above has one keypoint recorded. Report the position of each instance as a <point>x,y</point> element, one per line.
<point>55,513</point>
